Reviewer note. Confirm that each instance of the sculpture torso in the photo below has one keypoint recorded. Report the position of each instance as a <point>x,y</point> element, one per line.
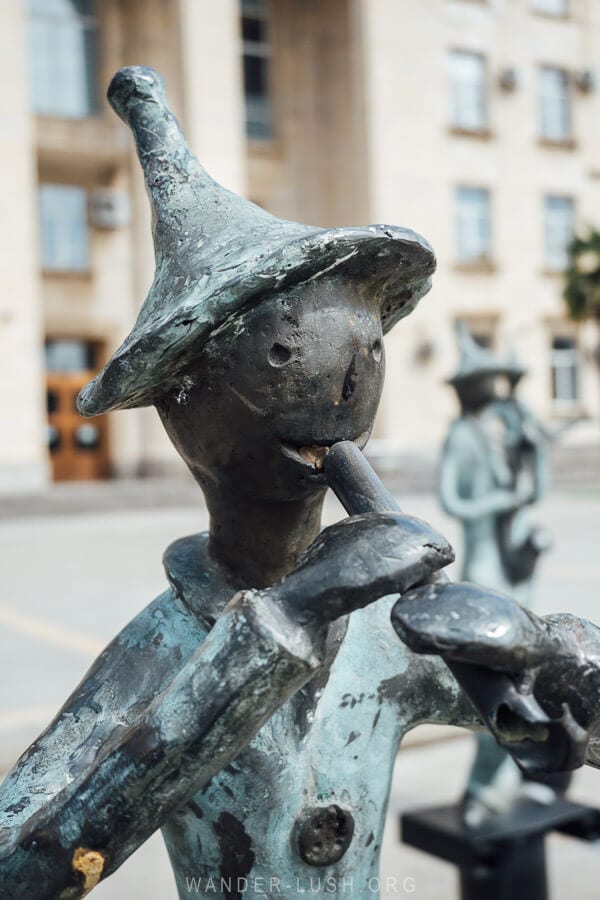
<point>482,456</point>
<point>333,744</point>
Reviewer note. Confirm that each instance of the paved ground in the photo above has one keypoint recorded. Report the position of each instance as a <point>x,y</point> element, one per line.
<point>69,582</point>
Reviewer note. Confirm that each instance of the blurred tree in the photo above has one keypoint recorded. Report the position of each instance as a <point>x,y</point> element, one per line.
<point>582,280</point>
<point>582,276</point>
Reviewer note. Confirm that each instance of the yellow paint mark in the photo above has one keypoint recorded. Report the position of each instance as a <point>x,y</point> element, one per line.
<point>51,634</point>
<point>90,863</point>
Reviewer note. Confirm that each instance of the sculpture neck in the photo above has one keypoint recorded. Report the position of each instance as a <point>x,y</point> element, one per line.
<point>260,541</point>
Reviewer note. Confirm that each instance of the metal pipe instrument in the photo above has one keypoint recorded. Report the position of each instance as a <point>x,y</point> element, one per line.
<point>538,743</point>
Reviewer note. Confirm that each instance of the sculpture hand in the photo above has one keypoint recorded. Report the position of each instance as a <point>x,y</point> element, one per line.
<point>558,656</point>
<point>358,560</point>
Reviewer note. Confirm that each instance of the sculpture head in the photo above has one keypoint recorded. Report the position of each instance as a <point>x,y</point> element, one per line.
<point>297,373</point>
<point>259,337</point>
<point>482,377</point>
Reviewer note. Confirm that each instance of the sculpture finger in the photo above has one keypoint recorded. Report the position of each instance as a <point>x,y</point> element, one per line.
<point>471,624</point>
<point>360,559</point>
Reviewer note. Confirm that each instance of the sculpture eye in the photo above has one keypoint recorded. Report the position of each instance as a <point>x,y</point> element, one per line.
<point>279,355</point>
<point>376,350</point>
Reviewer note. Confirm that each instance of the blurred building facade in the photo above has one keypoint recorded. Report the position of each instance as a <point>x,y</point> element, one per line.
<point>476,122</point>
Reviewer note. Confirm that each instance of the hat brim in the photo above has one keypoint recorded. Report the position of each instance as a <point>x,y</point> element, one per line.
<point>396,263</point>
<point>464,378</point>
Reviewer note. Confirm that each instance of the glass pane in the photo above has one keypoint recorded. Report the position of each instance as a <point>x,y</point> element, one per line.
<point>87,437</point>
<point>468,90</point>
<point>254,8</point>
<point>254,30</point>
<point>62,44</point>
<point>256,50</point>
<point>553,7</point>
<point>258,118</point>
<point>565,370</point>
<point>90,49</point>
<point>563,343</point>
<point>63,226</point>
<point>472,223</point>
<point>559,228</point>
<point>54,439</point>
<point>51,401</point>
<point>255,76</point>
<point>554,104</point>
<point>69,356</point>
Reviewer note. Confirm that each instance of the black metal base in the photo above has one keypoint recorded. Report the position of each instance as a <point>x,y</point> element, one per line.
<point>504,858</point>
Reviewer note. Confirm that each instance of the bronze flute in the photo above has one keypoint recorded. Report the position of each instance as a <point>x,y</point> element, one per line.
<point>538,743</point>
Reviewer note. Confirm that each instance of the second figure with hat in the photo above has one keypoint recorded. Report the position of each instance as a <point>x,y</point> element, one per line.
<point>493,469</point>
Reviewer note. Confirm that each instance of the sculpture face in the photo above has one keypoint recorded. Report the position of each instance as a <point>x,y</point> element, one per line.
<point>481,391</point>
<point>303,369</point>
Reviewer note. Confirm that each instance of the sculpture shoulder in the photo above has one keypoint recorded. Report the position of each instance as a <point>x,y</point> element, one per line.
<point>464,437</point>
<point>121,682</point>
<point>201,584</point>
<point>147,651</point>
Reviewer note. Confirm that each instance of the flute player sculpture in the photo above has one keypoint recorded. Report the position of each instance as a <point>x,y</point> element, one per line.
<point>253,711</point>
<point>493,469</point>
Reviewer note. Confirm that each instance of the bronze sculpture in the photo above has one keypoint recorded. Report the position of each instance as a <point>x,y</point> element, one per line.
<point>492,470</point>
<point>244,711</point>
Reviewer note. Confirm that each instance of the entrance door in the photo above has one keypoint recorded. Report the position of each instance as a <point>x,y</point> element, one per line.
<point>78,447</point>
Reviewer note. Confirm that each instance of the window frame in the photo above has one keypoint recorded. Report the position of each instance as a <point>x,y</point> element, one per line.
<point>63,84</point>
<point>77,262</point>
<point>565,367</point>
<point>564,133</point>
<point>468,113</point>
<point>461,226</point>
<point>258,109</point>
<point>556,260</point>
<point>539,7</point>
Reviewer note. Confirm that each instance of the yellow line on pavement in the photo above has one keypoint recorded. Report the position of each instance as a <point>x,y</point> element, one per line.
<point>49,633</point>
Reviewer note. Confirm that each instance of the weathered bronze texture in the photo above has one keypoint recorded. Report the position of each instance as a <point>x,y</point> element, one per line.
<point>538,742</point>
<point>264,694</point>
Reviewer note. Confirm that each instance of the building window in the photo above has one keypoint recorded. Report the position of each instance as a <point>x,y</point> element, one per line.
<point>564,363</point>
<point>257,53</point>
<point>559,228</point>
<point>468,107</point>
<point>63,228</point>
<point>62,52</point>
<point>554,104</point>
<point>69,355</point>
<point>552,7</point>
<point>473,240</point>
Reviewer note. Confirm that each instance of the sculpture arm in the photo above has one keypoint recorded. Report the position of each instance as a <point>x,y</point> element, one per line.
<point>555,659</point>
<point>263,647</point>
<point>455,483</point>
<point>247,667</point>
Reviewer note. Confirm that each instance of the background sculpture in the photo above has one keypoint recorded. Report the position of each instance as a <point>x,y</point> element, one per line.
<point>493,469</point>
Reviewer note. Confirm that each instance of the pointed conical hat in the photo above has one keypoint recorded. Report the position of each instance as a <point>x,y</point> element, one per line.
<point>218,254</point>
<point>476,362</point>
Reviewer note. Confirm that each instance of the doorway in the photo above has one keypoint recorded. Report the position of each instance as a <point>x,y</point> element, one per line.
<point>78,447</point>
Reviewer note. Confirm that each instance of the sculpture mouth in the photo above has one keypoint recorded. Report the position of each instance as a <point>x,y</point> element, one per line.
<point>311,456</point>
